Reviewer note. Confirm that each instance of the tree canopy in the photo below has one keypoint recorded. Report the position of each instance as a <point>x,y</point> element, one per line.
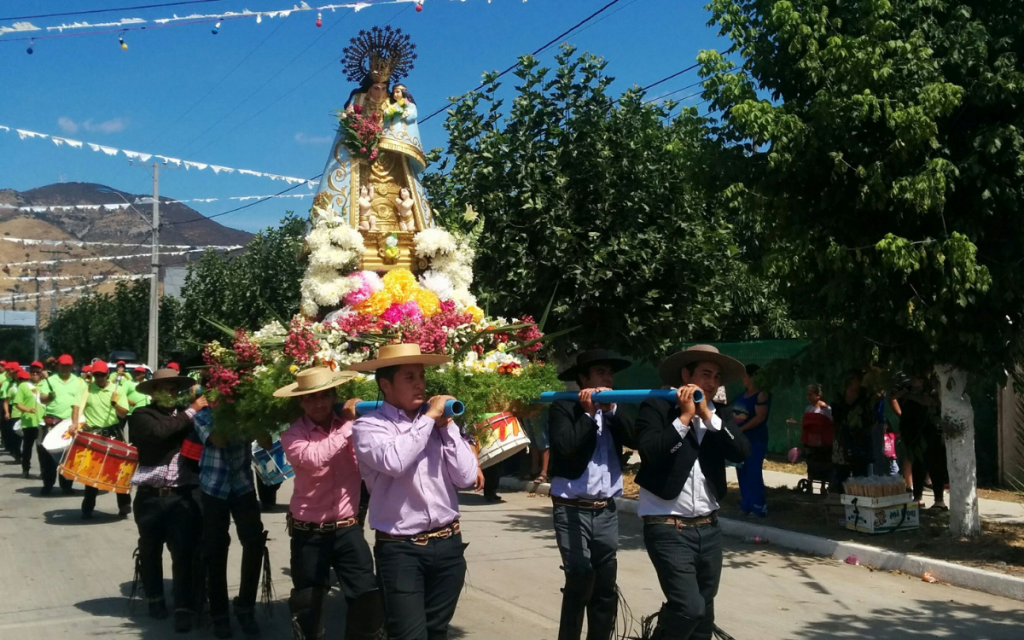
<point>602,203</point>
<point>879,142</point>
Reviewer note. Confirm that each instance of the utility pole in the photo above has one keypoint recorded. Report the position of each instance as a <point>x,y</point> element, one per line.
<point>39,309</point>
<point>154,283</point>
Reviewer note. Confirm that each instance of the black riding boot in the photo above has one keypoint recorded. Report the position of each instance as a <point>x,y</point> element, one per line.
<point>603,607</point>
<point>365,617</point>
<point>575,596</point>
<point>307,608</point>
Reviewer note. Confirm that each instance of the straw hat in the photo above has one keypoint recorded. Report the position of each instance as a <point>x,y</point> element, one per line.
<point>671,368</point>
<point>394,355</point>
<point>312,381</point>
<point>160,377</point>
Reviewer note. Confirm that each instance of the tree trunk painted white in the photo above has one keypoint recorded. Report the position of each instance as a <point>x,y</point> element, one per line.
<point>957,420</point>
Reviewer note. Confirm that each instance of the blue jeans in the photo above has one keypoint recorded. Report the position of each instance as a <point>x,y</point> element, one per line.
<point>751,479</point>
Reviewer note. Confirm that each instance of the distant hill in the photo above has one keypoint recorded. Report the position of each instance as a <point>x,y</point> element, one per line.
<point>123,226</point>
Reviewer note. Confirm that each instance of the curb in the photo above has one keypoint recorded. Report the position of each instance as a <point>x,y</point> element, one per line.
<point>997,584</point>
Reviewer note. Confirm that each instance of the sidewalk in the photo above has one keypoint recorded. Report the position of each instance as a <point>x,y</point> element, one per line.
<point>995,510</point>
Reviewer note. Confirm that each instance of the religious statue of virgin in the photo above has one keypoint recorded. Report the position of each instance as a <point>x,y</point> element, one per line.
<point>371,180</point>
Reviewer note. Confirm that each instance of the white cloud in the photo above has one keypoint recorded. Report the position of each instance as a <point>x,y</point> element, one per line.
<point>302,138</point>
<point>114,125</point>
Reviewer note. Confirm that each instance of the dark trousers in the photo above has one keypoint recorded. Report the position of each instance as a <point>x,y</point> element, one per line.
<point>173,520</point>
<point>12,441</point>
<point>588,540</point>
<point>28,440</point>
<point>937,468</point>
<point>688,562</point>
<point>47,463</point>
<point>124,500</point>
<point>421,585</point>
<point>217,516</point>
<point>267,493</point>
<point>313,555</point>
<point>492,478</point>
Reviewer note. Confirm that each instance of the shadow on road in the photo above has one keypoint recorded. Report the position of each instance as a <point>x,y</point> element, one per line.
<point>73,517</point>
<point>928,619</point>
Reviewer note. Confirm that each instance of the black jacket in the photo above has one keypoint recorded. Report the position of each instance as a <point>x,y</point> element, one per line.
<point>573,436</point>
<point>157,434</point>
<point>666,459</point>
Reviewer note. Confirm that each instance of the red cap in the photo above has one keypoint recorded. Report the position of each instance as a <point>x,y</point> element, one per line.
<point>100,367</point>
<point>174,365</point>
<point>139,370</point>
<point>87,368</point>
<point>65,359</point>
<point>120,362</point>
<point>36,365</point>
<point>22,374</point>
<point>12,366</point>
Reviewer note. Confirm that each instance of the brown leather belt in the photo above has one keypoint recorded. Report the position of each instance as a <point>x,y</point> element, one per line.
<point>421,539</point>
<point>581,504</point>
<point>679,522</point>
<point>319,527</point>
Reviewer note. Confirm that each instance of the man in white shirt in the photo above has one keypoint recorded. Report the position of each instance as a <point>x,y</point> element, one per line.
<point>683,448</point>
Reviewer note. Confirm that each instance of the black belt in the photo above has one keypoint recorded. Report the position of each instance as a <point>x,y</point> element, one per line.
<point>165,492</point>
<point>422,539</point>
<point>582,504</point>
<point>319,527</point>
<point>679,522</point>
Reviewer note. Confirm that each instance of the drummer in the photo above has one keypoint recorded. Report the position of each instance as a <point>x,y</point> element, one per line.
<point>62,394</point>
<point>165,510</point>
<point>586,476</point>
<point>104,409</point>
<point>414,461</point>
<point>323,518</point>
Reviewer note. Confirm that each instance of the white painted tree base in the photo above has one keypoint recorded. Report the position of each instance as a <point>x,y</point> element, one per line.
<point>957,419</point>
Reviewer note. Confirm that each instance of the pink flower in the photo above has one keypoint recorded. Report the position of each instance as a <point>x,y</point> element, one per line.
<point>371,284</point>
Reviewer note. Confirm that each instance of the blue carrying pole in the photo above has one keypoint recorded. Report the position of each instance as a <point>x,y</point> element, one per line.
<point>451,408</point>
<point>627,396</point>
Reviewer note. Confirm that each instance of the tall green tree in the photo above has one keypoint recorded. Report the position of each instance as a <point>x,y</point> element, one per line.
<point>600,202</point>
<point>880,144</point>
<point>97,324</point>
<point>248,290</point>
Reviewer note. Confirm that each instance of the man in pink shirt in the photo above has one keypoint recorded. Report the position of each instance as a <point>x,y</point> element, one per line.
<point>414,460</point>
<point>323,516</point>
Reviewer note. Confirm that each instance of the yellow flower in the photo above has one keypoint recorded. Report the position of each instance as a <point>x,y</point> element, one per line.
<point>428,302</point>
<point>376,304</point>
<point>501,347</point>
<point>400,285</point>
<point>293,369</point>
<point>476,312</point>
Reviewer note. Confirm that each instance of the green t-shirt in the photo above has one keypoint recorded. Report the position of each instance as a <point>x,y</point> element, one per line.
<point>66,394</point>
<point>5,384</point>
<point>140,400</point>
<point>99,412</point>
<point>126,384</point>
<point>26,397</point>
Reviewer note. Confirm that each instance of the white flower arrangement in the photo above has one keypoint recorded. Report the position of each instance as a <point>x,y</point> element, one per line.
<point>433,242</point>
<point>335,248</point>
<point>439,283</point>
<point>269,331</point>
<point>490,362</point>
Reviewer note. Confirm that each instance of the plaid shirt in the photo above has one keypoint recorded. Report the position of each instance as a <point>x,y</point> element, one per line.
<point>171,474</point>
<point>223,471</point>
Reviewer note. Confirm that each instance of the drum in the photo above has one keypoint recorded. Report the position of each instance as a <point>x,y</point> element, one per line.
<point>100,462</point>
<point>271,466</point>
<point>57,439</point>
<point>502,436</point>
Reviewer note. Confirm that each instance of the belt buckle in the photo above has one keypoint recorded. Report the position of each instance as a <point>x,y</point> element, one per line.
<point>444,534</point>
<point>328,527</point>
<point>421,540</point>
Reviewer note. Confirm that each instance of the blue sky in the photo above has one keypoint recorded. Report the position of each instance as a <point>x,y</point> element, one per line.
<point>87,88</point>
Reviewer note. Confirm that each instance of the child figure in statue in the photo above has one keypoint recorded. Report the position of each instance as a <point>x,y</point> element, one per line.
<point>367,221</point>
<point>406,222</point>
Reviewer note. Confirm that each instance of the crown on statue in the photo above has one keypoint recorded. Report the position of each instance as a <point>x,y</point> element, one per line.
<point>383,54</point>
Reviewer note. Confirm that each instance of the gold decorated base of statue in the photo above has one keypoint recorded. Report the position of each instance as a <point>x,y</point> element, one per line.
<point>387,250</point>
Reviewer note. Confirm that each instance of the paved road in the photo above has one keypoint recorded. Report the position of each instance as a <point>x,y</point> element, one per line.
<point>64,578</point>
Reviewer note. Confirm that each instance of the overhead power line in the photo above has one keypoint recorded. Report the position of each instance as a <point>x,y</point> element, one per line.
<point>244,206</point>
<point>94,11</point>
<point>537,52</point>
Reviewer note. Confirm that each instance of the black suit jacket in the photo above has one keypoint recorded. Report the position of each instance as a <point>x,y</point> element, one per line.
<point>573,436</point>
<point>157,434</point>
<point>666,459</point>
